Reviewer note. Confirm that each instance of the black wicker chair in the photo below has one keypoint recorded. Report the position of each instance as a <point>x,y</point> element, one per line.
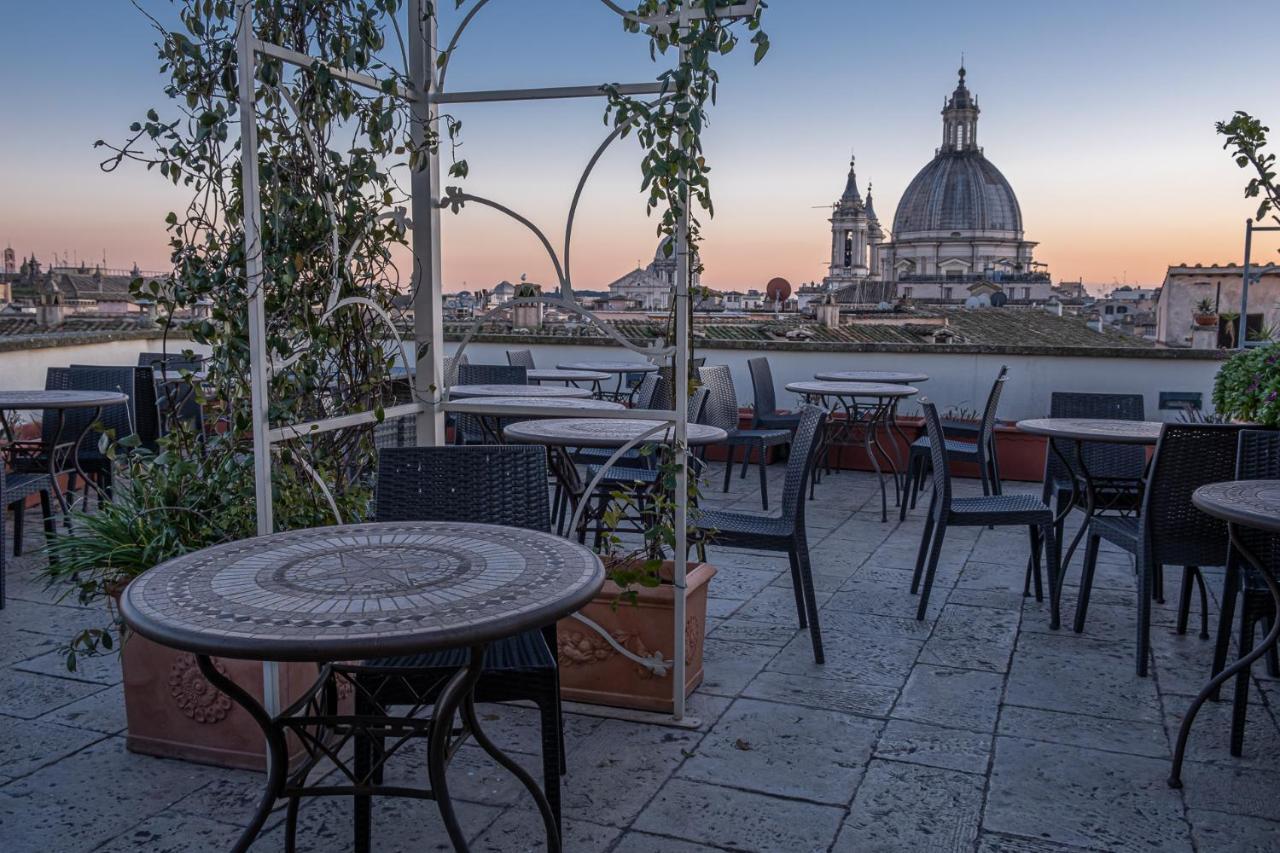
<point>1258,458</point>
<point>784,532</point>
<point>14,491</point>
<point>766,415</point>
<point>1169,530</point>
<point>468,428</point>
<point>171,361</point>
<point>981,451</point>
<point>520,358</point>
<point>722,411</point>
<point>505,485</point>
<point>986,511</point>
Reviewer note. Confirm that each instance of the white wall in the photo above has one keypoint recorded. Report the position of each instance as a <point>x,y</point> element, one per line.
<point>956,379</point>
<point>25,369</point>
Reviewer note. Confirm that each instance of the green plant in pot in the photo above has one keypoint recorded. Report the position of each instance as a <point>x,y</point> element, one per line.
<point>1205,314</point>
<point>1247,387</point>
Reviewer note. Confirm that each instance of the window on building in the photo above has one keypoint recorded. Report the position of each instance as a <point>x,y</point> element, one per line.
<point>906,293</point>
<point>1026,293</point>
<point>946,293</point>
<point>1229,330</point>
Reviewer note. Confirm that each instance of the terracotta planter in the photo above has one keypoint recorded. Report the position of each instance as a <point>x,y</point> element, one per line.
<point>1021,454</point>
<point>1207,321</point>
<point>173,712</point>
<point>593,671</point>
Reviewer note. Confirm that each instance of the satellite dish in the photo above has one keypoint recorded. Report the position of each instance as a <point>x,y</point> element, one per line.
<point>778,289</point>
<point>884,306</point>
<point>972,302</point>
<point>999,300</point>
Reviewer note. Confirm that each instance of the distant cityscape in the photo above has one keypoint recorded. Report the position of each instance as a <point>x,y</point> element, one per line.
<point>957,244</point>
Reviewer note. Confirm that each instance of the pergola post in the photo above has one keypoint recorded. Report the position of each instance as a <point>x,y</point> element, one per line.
<point>427,288</point>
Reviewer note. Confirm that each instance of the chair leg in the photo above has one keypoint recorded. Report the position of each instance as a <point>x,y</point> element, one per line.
<point>908,489</point>
<point>728,466</point>
<point>1086,581</point>
<point>746,461</point>
<point>1240,700</point>
<point>1157,575</point>
<point>18,515</point>
<point>1034,568</point>
<point>1055,576</point>
<point>46,513</point>
<point>1146,576</point>
<point>798,588</point>
<point>935,551</point>
<point>925,538</point>
<point>552,753</point>
<point>1273,656</point>
<point>986,482</point>
<point>1226,615</point>
<point>811,600</point>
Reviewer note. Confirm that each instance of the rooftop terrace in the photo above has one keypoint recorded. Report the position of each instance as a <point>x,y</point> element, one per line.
<point>978,729</point>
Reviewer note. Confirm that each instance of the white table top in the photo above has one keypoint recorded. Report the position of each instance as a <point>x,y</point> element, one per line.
<point>527,391</point>
<point>603,432</point>
<point>610,366</point>
<point>851,389</point>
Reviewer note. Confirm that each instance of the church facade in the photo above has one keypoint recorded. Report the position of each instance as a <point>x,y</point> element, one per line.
<point>957,232</point>
<point>650,288</point>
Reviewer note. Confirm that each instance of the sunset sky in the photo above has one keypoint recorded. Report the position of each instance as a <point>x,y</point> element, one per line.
<point>1100,114</point>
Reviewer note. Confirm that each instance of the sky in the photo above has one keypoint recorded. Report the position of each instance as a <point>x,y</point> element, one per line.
<point>1100,114</point>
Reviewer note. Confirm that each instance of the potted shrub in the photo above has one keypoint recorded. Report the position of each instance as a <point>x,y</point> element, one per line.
<point>636,607</point>
<point>1247,387</point>
<point>1205,315</point>
<point>166,503</point>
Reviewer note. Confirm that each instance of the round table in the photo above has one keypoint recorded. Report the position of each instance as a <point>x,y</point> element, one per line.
<point>1104,431</point>
<point>525,391</point>
<point>893,377</point>
<point>871,418</point>
<point>620,368</point>
<point>363,591</point>
<point>563,435</point>
<point>568,377</point>
<point>1253,504</point>
<point>491,422</point>
<point>58,453</point>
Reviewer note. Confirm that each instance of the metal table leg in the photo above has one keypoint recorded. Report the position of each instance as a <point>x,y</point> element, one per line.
<point>1242,665</point>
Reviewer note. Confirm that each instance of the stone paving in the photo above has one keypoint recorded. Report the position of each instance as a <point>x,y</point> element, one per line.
<point>978,729</point>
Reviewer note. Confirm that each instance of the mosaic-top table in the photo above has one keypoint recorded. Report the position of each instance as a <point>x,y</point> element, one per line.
<point>893,377</point>
<point>603,432</point>
<point>873,417</point>
<point>555,374</point>
<point>526,391</point>
<point>621,369</point>
<point>60,452</point>
<point>1253,504</point>
<point>363,591</point>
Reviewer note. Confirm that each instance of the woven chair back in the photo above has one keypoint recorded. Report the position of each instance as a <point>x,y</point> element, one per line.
<point>1187,457</point>
<point>520,358</point>
<point>804,451</point>
<point>490,484</point>
<point>722,404</point>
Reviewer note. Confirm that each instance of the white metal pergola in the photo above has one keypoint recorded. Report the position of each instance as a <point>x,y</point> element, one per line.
<point>430,392</point>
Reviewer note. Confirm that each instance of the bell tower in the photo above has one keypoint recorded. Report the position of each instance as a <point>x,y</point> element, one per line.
<point>849,236</point>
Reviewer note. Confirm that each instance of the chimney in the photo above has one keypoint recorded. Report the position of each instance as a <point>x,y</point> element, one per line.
<point>829,312</point>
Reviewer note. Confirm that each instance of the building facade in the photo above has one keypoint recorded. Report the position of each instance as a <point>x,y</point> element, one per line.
<point>855,237</point>
<point>649,288</point>
<point>1186,287</point>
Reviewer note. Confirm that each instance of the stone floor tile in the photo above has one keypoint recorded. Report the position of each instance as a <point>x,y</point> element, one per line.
<point>910,807</point>
<point>643,842</point>
<point>518,728</point>
<point>28,745</point>
<point>522,831</point>
<point>741,820</point>
<point>1067,672</point>
<point>775,604</point>
<point>399,826</point>
<point>835,617</point>
<point>860,657</point>
<point>28,695</point>
<point>1138,738</point>
<point>994,842</point>
<point>722,608</point>
<point>1228,832</point>
<point>99,669</point>
<point>746,631</point>
<point>1210,738</point>
<point>617,769</point>
<point>994,599</point>
<point>1084,797</point>
<point>972,638</point>
<point>934,746</point>
<point>847,696</point>
<point>873,592</point>
<point>177,833</point>
<point>785,750</point>
<point>102,711</point>
<point>1234,790</point>
<point>959,698</point>
<point>729,666</point>
<point>738,582</point>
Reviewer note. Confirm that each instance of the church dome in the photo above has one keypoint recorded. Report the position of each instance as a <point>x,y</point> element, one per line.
<point>959,190</point>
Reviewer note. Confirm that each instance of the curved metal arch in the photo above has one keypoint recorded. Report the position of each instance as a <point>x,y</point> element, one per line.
<point>459,198</point>
<point>453,42</point>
